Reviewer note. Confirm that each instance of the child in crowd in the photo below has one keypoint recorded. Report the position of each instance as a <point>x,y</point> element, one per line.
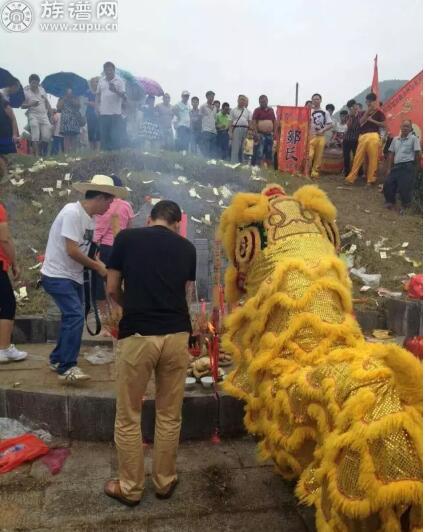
<point>57,142</point>
<point>248,147</point>
<point>340,129</point>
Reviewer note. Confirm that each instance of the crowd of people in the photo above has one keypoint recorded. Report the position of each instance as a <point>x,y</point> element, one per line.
<point>362,137</point>
<point>108,119</point>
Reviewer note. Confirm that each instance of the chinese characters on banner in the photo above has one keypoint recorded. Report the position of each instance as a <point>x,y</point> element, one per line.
<point>294,125</point>
<point>406,103</point>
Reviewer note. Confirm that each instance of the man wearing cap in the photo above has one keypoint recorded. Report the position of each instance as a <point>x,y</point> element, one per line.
<point>66,257</point>
<point>209,131</point>
<point>182,125</point>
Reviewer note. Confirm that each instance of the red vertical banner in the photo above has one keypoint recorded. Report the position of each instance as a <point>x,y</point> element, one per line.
<point>406,103</point>
<point>294,125</point>
<point>375,81</point>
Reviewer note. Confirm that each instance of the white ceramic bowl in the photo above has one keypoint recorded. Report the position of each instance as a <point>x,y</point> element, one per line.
<point>207,381</point>
<point>190,382</point>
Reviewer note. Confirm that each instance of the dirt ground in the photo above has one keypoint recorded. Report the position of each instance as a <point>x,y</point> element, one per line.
<point>362,217</point>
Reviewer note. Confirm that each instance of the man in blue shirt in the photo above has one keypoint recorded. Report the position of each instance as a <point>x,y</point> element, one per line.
<point>404,154</point>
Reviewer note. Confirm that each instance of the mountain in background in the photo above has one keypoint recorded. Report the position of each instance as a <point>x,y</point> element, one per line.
<point>386,89</point>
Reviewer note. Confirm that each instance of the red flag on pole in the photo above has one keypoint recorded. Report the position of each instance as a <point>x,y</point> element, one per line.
<point>375,81</point>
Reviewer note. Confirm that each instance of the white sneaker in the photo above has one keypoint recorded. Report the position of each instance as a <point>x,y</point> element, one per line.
<point>11,354</point>
<point>73,376</point>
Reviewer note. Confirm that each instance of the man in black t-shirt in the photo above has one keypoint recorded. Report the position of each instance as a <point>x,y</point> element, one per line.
<point>369,143</point>
<point>157,268</point>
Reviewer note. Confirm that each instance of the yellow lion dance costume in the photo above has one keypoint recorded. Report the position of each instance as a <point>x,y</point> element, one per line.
<point>342,415</point>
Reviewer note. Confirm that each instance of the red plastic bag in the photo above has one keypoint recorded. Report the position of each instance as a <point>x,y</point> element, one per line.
<point>16,451</point>
<point>415,287</point>
<point>415,346</point>
<point>55,459</point>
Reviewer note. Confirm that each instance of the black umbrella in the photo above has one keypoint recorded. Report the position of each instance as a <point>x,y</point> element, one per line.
<point>6,78</point>
<point>16,99</point>
<point>58,83</point>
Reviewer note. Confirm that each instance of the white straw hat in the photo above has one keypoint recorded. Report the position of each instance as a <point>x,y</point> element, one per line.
<point>101,183</point>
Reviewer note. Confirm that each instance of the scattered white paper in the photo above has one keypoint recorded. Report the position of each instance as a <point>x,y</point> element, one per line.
<point>36,203</point>
<point>17,183</point>
<point>212,161</point>
<point>216,192</point>
<point>67,177</point>
<point>129,174</point>
<point>49,190</point>
<point>196,220</point>
<point>36,266</point>
<point>147,182</point>
<point>405,244</point>
<point>193,193</point>
<point>154,201</point>
<point>128,189</point>
<point>225,192</point>
<point>177,167</point>
<point>365,288</point>
<point>63,193</point>
<point>183,179</point>
<point>383,255</point>
<point>59,183</point>
<point>40,211</point>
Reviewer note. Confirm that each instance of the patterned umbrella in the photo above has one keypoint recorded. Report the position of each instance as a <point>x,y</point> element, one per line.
<point>151,87</point>
<point>58,83</point>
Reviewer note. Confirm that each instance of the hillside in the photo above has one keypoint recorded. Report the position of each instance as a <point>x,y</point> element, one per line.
<point>35,193</point>
<point>386,89</point>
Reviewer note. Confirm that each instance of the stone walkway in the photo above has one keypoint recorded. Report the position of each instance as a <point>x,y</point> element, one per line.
<point>222,488</point>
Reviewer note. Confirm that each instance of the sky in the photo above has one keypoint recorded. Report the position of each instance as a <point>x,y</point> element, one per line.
<point>235,46</point>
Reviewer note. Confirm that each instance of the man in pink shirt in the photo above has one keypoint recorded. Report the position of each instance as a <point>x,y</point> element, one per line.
<point>108,225</point>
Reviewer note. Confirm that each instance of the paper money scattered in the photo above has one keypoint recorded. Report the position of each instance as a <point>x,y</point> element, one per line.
<point>17,183</point>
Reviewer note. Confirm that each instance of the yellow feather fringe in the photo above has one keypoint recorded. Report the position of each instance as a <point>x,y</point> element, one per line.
<point>342,415</point>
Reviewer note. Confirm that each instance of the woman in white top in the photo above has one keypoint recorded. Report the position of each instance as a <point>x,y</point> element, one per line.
<point>240,123</point>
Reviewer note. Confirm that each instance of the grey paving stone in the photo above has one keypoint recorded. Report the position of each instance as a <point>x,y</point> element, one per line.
<point>29,330</point>
<point>91,418</point>
<point>404,317</point>
<point>20,509</point>
<point>50,411</point>
<point>283,520</point>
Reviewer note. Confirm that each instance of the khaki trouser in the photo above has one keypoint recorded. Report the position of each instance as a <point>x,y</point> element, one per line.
<point>316,148</point>
<point>137,357</point>
<point>369,143</point>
